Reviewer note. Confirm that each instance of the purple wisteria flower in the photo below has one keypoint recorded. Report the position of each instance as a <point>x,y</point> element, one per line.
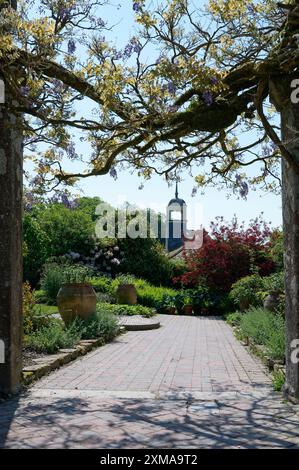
<point>36,181</point>
<point>136,7</point>
<point>251,9</point>
<point>273,146</point>
<point>133,46</point>
<point>58,86</point>
<point>137,47</point>
<point>171,88</point>
<point>54,199</point>
<point>97,22</point>
<point>65,13</point>
<point>71,151</point>
<point>113,173</point>
<point>29,200</point>
<point>71,46</point>
<point>214,80</point>
<point>24,90</point>
<point>64,198</point>
<point>244,189</point>
<point>117,55</point>
<point>194,191</point>
<point>208,98</point>
<point>128,50</point>
<point>173,109</point>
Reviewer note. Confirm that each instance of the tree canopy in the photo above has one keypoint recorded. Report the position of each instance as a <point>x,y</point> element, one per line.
<point>202,101</point>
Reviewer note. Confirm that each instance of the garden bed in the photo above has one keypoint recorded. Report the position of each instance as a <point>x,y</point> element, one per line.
<point>262,332</point>
<point>41,365</point>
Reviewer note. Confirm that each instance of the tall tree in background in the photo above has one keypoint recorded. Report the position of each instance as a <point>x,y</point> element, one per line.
<point>209,101</point>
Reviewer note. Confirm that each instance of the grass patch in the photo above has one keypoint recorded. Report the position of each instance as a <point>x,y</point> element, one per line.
<point>42,309</point>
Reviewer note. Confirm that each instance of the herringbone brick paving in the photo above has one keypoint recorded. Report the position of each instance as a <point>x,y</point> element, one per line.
<point>190,384</point>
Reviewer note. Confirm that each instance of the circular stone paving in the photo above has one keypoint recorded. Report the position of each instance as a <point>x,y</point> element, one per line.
<point>137,322</point>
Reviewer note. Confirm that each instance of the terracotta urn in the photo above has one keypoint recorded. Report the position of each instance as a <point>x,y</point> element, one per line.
<point>76,300</point>
<point>170,310</point>
<point>188,309</point>
<point>126,294</point>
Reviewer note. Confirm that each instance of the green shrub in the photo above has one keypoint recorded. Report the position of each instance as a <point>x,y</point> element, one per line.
<point>147,258</point>
<point>42,316</point>
<point>247,291</point>
<point>105,298</point>
<point>103,324</point>
<point>200,297</point>
<point>40,296</point>
<point>28,308</point>
<point>52,280</point>
<point>277,249</point>
<point>233,319</point>
<point>55,274</point>
<point>274,283</point>
<point>67,229</point>
<point>49,339</point>
<point>278,380</point>
<point>275,342</point>
<point>151,296</point>
<point>265,328</point>
<point>36,249</point>
<point>256,323</point>
<point>130,310</point>
<point>51,335</point>
<point>124,279</point>
<point>147,294</point>
<point>102,284</point>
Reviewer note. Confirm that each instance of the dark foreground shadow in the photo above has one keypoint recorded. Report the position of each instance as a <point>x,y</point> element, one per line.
<point>7,413</point>
<point>127,423</point>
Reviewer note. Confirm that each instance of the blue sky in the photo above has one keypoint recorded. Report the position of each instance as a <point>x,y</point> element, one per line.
<point>156,191</point>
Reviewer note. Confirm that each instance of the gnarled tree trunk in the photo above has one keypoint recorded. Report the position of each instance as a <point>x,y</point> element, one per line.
<point>281,96</point>
<point>11,172</point>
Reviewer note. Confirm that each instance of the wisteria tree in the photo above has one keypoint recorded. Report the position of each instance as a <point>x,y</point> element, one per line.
<point>210,89</point>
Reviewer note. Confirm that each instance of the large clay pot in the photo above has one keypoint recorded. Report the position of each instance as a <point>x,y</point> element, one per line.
<point>170,310</point>
<point>76,300</point>
<point>197,309</point>
<point>188,310</point>
<point>126,294</point>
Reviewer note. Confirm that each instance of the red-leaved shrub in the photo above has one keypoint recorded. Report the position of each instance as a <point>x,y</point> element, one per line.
<point>230,251</point>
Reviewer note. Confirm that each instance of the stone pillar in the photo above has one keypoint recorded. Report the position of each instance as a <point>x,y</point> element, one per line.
<point>11,173</point>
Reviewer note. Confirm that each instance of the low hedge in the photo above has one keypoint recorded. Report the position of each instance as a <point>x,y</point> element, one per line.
<point>130,310</point>
<point>264,328</point>
<point>147,294</point>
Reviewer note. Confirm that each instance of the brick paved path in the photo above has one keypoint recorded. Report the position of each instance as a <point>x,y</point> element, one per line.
<point>188,384</point>
<point>194,354</point>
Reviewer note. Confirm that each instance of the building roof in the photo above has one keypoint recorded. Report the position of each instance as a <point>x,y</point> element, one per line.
<point>177,200</point>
